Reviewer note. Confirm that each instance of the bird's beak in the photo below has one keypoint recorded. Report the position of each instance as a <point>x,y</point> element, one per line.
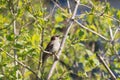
<point>57,35</point>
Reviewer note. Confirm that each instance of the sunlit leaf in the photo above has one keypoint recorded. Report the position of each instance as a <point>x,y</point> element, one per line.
<point>90,18</point>
<point>1,76</point>
<point>89,52</point>
<point>3,54</point>
<point>93,27</point>
<point>10,37</point>
<point>58,18</point>
<point>118,14</point>
<point>35,39</point>
<point>27,73</point>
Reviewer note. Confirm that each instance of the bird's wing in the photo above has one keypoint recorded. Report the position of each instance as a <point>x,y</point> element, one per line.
<point>46,55</point>
<point>49,47</point>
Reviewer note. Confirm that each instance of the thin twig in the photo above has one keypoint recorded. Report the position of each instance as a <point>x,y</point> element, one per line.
<point>25,66</point>
<point>41,44</point>
<point>106,66</point>
<point>62,75</point>
<point>63,40</point>
<point>14,14</point>
<point>51,13</point>
<point>45,51</point>
<point>83,25</point>
<point>91,3</point>
<point>111,33</point>
<point>8,26</point>
<point>86,6</point>
<point>116,53</point>
<point>69,8</point>
<point>115,32</point>
<point>58,5</point>
<point>112,41</point>
<point>40,55</point>
<point>111,17</point>
<point>91,30</point>
<point>34,59</point>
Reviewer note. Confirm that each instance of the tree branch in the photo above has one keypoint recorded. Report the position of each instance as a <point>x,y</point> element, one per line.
<point>106,66</point>
<point>25,66</point>
<point>91,30</point>
<point>69,8</point>
<point>83,25</point>
<point>63,40</point>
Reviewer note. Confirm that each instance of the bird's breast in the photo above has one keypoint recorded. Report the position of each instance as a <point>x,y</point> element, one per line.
<point>56,46</point>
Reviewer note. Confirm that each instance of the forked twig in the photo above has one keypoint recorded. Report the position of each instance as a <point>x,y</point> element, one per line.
<point>25,66</point>
<point>106,66</point>
<point>63,40</point>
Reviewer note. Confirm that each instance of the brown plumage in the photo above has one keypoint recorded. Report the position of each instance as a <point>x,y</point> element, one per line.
<point>52,47</point>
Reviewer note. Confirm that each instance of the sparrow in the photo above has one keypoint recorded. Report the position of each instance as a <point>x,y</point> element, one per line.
<point>52,48</point>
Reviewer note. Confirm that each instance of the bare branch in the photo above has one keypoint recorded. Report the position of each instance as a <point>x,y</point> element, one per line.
<point>86,6</point>
<point>51,13</point>
<point>83,25</point>
<point>63,40</point>
<point>25,66</point>
<point>45,51</point>
<point>69,8</point>
<point>112,41</point>
<point>91,30</point>
<point>58,5</point>
<point>111,33</point>
<point>116,53</point>
<point>41,44</point>
<point>111,17</point>
<point>115,32</point>
<point>106,66</point>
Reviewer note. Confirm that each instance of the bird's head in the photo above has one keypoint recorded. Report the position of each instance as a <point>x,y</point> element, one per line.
<point>56,37</point>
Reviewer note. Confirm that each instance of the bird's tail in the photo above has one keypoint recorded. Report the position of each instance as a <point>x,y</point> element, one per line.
<point>44,58</point>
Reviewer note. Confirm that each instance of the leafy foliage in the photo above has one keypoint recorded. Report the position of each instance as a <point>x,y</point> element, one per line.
<point>27,25</point>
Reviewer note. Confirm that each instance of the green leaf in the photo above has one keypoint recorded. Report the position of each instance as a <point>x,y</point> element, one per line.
<point>89,52</point>
<point>1,76</point>
<point>58,18</point>
<point>93,28</point>
<point>35,39</point>
<point>18,45</point>
<point>118,14</point>
<point>27,74</point>
<point>107,7</point>
<point>3,54</point>
<point>10,37</point>
<point>90,18</point>
<point>81,33</point>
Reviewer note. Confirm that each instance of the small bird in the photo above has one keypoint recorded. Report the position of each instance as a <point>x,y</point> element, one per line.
<point>52,48</point>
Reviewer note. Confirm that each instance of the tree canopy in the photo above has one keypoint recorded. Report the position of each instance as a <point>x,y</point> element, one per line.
<point>90,40</point>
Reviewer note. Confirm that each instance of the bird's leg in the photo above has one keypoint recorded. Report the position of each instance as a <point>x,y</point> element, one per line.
<point>55,57</point>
